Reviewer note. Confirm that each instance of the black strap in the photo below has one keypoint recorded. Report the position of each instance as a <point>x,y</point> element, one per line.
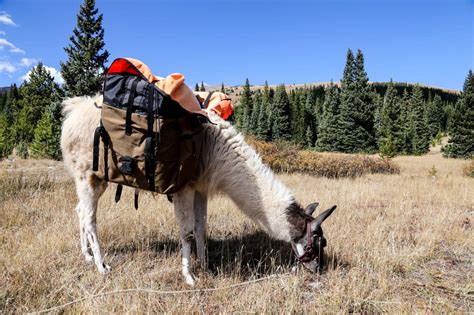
<point>135,202</point>
<point>151,114</point>
<point>131,97</point>
<point>207,100</point>
<point>118,193</point>
<point>95,150</point>
<point>150,158</point>
<point>105,140</point>
<point>150,163</point>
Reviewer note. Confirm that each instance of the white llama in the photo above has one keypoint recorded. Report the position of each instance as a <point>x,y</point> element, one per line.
<point>227,164</point>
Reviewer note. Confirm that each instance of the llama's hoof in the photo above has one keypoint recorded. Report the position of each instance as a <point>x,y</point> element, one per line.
<point>88,257</point>
<point>190,279</point>
<point>104,268</point>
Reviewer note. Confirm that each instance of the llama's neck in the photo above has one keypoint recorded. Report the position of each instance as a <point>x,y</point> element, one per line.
<point>234,168</point>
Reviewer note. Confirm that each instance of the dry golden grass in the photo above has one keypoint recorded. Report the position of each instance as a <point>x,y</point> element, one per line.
<point>398,243</point>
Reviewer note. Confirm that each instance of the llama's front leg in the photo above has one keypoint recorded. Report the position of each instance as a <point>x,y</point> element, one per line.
<point>200,227</point>
<point>183,207</point>
<point>89,189</point>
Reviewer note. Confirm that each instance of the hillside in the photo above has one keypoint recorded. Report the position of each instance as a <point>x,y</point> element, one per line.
<point>446,94</point>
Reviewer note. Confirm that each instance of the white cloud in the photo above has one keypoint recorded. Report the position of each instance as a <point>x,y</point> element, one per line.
<point>26,62</point>
<point>13,48</point>
<point>5,66</point>
<point>54,73</point>
<point>3,33</point>
<point>17,50</point>
<point>6,19</point>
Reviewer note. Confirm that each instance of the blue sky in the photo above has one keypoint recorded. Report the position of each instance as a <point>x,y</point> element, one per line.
<point>425,41</point>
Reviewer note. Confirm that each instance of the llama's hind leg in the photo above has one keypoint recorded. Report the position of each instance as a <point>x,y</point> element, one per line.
<point>89,189</point>
<point>183,207</point>
<point>200,227</point>
<point>84,245</point>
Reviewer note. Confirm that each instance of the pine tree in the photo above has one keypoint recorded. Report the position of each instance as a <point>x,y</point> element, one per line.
<point>363,108</point>
<point>309,143</point>
<point>83,72</point>
<point>281,126</point>
<point>310,119</point>
<point>256,108</point>
<point>418,123</point>
<point>389,121</point>
<point>328,129</point>
<point>222,88</point>
<point>347,141</point>
<point>244,110</point>
<point>196,88</point>
<point>35,96</point>
<point>11,109</point>
<point>5,147</point>
<point>406,137</point>
<point>46,141</point>
<point>202,88</point>
<point>263,131</point>
<point>461,142</point>
<point>435,116</point>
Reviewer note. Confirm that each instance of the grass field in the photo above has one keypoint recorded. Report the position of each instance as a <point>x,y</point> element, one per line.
<point>399,243</point>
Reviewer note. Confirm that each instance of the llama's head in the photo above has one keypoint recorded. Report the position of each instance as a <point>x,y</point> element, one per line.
<point>310,247</point>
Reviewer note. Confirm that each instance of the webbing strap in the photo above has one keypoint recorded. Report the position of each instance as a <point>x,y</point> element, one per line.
<point>149,141</point>
<point>95,150</point>
<point>131,97</point>
<point>151,114</point>
<point>118,193</point>
<point>135,202</point>
<point>150,163</point>
<point>105,140</point>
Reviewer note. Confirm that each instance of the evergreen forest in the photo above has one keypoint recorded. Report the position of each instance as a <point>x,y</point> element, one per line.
<point>352,116</point>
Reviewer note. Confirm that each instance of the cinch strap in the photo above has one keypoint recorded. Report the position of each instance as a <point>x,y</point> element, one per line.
<point>95,150</point>
<point>118,193</point>
<point>100,133</point>
<point>131,97</point>
<point>135,203</point>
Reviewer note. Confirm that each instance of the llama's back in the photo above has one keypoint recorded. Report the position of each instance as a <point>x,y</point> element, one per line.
<point>81,119</point>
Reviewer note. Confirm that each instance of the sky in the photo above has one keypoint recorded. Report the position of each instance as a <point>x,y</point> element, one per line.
<point>293,41</point>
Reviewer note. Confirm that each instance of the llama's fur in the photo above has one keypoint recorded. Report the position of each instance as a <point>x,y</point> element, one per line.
<point>227,165</point>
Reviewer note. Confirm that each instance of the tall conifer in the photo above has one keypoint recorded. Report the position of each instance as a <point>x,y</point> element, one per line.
<point>418,123</point>
<point>244,110</point>
<point>263,126</point>
<point>281,126</point>
<point>35,96</point>
<point>390,126</point>
<point>83,72</point>
<point>461,142</point>
<point>328,131</point>
<point>435,116</point>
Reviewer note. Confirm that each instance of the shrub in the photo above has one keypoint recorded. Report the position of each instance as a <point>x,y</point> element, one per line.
<point>468,170</point>
<point>287,158</point>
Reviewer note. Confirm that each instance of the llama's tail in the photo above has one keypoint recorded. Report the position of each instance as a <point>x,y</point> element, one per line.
<point>81,117</point>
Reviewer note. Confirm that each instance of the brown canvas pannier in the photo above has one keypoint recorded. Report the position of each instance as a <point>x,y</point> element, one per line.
<point>145,139</point>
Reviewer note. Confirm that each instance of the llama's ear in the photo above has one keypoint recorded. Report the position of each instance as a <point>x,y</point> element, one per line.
<point>310,208</point>
<point>323,216</point>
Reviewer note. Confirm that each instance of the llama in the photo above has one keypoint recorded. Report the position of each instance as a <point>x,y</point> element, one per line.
<point>228,164</point>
